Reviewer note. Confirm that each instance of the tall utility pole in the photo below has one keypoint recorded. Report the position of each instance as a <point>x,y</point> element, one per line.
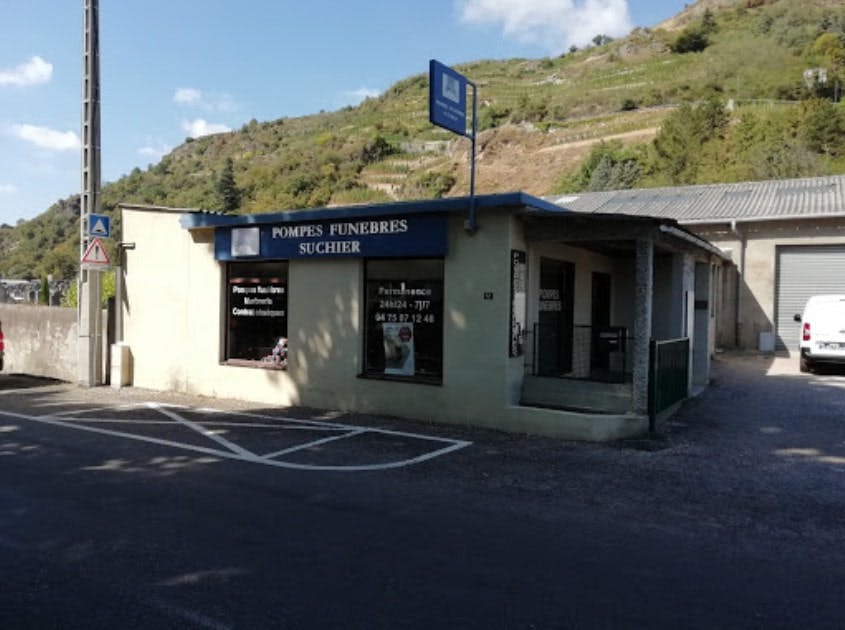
<point>89,317</point>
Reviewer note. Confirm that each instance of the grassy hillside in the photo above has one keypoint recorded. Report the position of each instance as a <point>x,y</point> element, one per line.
<point>717,93</point>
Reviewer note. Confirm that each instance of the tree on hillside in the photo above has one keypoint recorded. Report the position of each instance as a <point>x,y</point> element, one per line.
<point>610,166</point>
<point>678,145</point>
<point>691,39</point>
<point>227,189</point>
<point>822,127</point>
<point>708,22</point>
<point>694,38</point>
<point>375,149</point>
<point>71,297</point>
<point>829,48</point>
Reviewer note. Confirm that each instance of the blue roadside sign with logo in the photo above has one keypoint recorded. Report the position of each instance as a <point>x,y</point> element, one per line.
<point>447,108</point>
<point>447,98</point>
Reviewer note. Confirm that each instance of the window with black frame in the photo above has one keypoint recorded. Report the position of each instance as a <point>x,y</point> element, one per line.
<point>256,313</point>
<point>404,319</point>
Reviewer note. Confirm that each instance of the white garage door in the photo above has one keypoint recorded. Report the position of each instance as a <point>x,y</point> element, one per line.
<point>802,272</point>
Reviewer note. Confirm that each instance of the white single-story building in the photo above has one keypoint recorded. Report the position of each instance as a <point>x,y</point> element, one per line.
<point>539,321</point>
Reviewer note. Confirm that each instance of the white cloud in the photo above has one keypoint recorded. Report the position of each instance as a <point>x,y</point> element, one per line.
<point>553,25</point>
<point>31,72</point>
<point>193,97</point>
<point>7,188</point>
<point>199,127</point>
<point>187,95</point>
<point>46,138</point>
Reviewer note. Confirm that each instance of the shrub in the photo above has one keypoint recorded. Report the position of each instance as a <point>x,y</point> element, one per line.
<point>491,116</point>
<point>691,39</point>
<point>430,185</point>
<point>375,149</point>
<point>610,166</point>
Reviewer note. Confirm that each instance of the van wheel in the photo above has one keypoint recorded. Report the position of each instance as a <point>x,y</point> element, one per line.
<point>804,365</point>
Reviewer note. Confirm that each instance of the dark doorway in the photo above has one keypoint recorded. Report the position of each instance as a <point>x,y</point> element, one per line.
<point>555,318</point>
<point>600,319</point>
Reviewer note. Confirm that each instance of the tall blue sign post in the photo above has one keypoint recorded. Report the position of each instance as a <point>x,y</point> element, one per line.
<point>447,108</point>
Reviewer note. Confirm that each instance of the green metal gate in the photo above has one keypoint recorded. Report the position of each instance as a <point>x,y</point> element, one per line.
<point>668,377</point>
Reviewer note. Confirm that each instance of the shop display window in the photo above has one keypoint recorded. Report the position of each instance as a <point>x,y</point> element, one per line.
<point>257,313</point>
<point>404,319</point>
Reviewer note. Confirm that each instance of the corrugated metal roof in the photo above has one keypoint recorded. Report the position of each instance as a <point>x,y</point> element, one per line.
<point>811,197</point>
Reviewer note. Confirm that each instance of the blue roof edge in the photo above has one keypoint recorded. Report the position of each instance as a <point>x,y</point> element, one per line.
<point>195,220</point>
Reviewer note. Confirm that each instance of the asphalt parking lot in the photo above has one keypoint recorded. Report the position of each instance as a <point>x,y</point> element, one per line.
<point>259,438</point>
<point>306,440</point>
<point>174,511</point>
<point>762,431</point>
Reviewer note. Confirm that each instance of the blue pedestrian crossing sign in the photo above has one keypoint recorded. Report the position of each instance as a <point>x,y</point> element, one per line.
<point>99,225</point>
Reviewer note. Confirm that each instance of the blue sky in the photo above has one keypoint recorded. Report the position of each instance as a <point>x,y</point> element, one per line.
<point>178,68</point>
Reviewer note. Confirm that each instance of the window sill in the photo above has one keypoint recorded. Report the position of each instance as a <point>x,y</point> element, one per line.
<point>411,380</point>
<point>261,365</point>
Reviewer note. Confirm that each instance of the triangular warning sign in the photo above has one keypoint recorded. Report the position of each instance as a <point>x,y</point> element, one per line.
<point>99,228</point>
<point>96,254</point>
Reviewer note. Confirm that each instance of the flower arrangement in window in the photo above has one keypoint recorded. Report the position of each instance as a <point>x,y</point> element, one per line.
<point>279,354</point>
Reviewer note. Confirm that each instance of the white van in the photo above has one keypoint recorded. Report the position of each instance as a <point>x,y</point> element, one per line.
<point>822,331</point>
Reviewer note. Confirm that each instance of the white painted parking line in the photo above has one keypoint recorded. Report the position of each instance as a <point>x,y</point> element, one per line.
<point>77,420</point>
<point>211,435</point>
<point>321,424</point>
<point>142,438</point>
<point>301,447</point>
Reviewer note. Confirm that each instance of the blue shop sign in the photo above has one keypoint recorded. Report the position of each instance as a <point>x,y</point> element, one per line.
<point>365,237</point>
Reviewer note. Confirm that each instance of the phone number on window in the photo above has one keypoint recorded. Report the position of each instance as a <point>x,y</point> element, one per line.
<point>405,318</point>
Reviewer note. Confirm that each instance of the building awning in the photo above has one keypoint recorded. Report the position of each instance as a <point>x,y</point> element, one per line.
<point>516,200</point>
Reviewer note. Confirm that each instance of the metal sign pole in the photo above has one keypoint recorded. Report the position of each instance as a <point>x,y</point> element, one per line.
<point>447,94</point>
<point>471,225</point>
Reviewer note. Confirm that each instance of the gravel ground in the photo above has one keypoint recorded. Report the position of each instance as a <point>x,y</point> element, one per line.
<point>758,459</point>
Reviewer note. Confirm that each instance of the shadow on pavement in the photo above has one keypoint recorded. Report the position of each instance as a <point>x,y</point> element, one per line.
<point>25,381</point>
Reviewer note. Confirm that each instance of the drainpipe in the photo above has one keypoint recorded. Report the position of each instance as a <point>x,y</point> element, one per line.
<point>119,289</point>
<point>738,298</point>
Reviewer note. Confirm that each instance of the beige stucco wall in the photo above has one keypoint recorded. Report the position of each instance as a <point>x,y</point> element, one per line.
<point>325,323</point>
<point>173,326</point>
<point>757,274</point>
<point>173,322</point>
<point>173,313</point>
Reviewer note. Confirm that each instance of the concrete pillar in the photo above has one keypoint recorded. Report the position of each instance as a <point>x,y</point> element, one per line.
<point>643,290</point>
<point>90,330</point>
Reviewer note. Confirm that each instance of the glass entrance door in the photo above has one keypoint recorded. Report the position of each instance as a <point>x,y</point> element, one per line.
<point>555,317</point>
